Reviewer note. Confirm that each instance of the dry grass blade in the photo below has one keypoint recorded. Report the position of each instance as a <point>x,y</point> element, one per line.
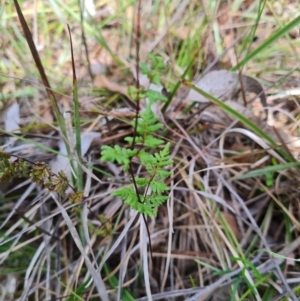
<point>229,229</point>
<point>97,280</point>
<point>40,67</point>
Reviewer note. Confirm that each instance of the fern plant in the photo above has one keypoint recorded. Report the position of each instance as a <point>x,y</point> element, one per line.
<point>147,193</point>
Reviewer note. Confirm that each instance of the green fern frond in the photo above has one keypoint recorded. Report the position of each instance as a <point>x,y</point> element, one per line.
<point>155,96</point>
<point>162,174</point>
<point>155,199</point>
<point>145,208</point>
<point>157,62</point>
<point>146,158</point>
<point>163,158</point>
<point>147,122</point>
<point>146,126</point>
<point>154,128</point>
<point>119,154</point>
<point>142,182</point>
<point>151,141</point>
<point>127,194</point>
<point>136,94</point>
<point>155,163</point>
<point>138,139</point>
<point>130,198</point>
<point>158,187</point>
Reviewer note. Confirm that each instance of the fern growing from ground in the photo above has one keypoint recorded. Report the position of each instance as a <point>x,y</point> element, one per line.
<point>142,147</point>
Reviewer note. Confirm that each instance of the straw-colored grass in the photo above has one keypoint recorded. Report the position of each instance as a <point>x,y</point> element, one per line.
<point>230,228</point>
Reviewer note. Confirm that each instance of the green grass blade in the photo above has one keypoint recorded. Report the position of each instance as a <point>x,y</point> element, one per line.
<point>79,182</point>
<point>249,124</point>
<point>178,84</point>
<point>268,42</point>
<point>113,282</point>
<point>253,30</point>
<point>232,112</point>
<point>268,169</point>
